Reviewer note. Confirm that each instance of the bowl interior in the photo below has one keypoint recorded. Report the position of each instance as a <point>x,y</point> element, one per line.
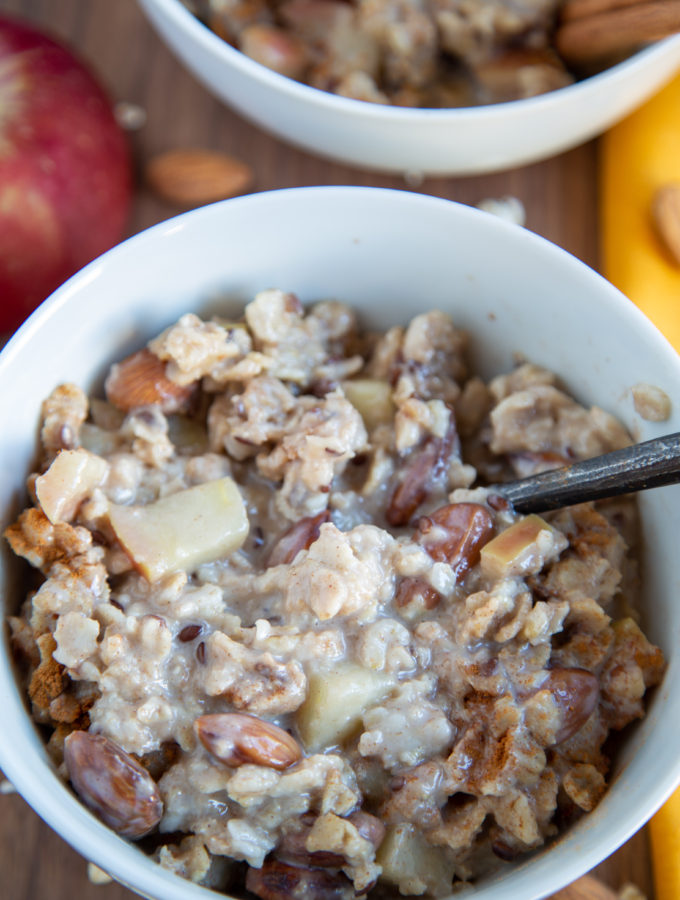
<point>391,255</point>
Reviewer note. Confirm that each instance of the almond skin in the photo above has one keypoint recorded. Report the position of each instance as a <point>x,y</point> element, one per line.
<point>195,177</point>
<point>140,380</point>
<point>299,536</point>
<point>604,35</point>
<point>112,784</point>
<point>576,693</point>
<point>274,48</point>
<point>238,738</point>
<point>456,534</point>
<point>666,213</point>
<point>277,880</point>
<point>292,847</point>
<point>427,466</point>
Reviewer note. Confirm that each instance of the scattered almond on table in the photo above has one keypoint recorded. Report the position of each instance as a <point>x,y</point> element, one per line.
<point>6,787</point>
<point>651,403</point>
<point>631,892</point>
<point>666,215</point>
<point>509,208</point>
<point>97,876</point>
<point>129,116</point>
<point>195,177</point>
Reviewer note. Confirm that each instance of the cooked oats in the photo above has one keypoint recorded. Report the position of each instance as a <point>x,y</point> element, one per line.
<point>294,628</point>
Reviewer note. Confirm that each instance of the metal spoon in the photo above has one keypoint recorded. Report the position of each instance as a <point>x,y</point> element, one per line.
<point>639,467</point>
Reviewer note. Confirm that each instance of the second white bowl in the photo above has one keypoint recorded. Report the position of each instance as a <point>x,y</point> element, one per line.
<point>464,141</point>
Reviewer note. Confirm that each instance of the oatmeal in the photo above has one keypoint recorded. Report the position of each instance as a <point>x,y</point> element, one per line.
<point>414,53</point>
<point>285,632</point>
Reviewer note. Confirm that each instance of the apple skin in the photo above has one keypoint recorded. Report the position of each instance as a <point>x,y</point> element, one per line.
<point>65,170</point>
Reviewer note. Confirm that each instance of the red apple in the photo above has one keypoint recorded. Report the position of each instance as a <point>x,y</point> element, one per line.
<point>65,174</point>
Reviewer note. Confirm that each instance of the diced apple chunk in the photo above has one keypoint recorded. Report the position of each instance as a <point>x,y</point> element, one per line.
<point>522,549</point>
<point>68,481</point>
<point>187,435</point>
<point>372,398</point>
<point>336,700</point>
<point>98,440</point>
<point>230,324</point>
<point>412,864</point>
<point>184,530</point>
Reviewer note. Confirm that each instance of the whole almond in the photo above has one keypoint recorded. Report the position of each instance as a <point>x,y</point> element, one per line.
<point>275,48</point>
<point>299,536</point>
<point>237,738</point>
<point>666,214</point>
<point>576,694</point>
<point>276,880</point>
<point>195,177</point>
<point>140,380</point>
<point>112,784</point>
<point>615,30</point>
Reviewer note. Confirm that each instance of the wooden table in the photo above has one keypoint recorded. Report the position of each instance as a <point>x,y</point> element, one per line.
<point>560,198</point>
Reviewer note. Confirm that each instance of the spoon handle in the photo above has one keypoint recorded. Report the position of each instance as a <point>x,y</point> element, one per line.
<point>635,468</point>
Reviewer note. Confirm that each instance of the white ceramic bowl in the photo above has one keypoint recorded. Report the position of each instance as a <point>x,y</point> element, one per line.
<point>429,141</point>
<point>392,255</point>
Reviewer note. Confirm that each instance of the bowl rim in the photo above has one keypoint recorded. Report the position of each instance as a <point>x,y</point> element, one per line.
<point>59,808</point>
<point>579,92</point>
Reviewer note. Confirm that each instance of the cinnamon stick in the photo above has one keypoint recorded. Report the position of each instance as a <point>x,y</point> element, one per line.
<point>619,30</point>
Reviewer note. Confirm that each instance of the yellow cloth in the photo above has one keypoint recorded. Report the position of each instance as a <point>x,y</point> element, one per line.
<point>639,155</point>
<point>664,833</point>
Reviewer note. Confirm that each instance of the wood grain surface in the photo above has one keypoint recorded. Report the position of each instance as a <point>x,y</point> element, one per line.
<point>559,196</point>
